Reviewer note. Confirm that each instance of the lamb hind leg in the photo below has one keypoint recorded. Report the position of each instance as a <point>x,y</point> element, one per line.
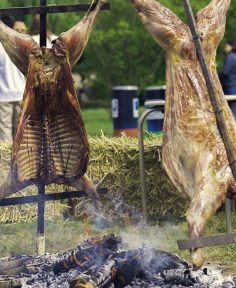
<point>8,187</point>
<point>203,206</point>
<point>85,183</point>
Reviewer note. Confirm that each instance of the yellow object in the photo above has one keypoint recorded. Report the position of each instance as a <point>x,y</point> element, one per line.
<point>82,281</point>
<point>81,285</point>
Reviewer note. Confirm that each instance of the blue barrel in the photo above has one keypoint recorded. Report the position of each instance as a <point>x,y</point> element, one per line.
<point>155,120</point>
<point>125,110</point>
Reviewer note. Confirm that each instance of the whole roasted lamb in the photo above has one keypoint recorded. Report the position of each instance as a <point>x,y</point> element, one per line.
<point>51,143</point>
<point>194,155</point>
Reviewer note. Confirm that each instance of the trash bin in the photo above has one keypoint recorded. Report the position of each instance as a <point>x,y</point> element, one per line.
<point>155,120</point>
<point>125,110</point>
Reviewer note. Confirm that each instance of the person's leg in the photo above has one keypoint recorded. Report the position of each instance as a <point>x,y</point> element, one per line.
<point>6,111</point>
<point>15,116</point>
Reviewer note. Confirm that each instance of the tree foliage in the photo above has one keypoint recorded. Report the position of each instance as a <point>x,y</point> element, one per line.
<point>120,51</point>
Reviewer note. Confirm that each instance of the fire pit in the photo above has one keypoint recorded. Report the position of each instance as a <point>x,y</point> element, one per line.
<point>100,262</point>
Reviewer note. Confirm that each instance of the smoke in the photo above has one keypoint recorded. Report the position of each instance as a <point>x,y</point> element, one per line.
<point>135,234</point>
<point>159,237</point>
<point>114,211</point>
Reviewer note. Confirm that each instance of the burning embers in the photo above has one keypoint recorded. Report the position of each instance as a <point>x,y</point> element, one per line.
<point>99,263</point>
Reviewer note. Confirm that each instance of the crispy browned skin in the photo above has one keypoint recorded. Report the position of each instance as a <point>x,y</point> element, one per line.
<point>194,156</point>
<point>51,143</point>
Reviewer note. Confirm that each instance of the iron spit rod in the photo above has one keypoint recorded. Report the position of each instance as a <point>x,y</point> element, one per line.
<point>161,103</point>
<point>41,208</point>
<point>207,241</point>
<point>43,25</point>
<point>50,9</point>
<point>12,201</point>
<point>228,215</point>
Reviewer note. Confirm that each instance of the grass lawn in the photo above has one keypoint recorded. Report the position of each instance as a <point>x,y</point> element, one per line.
<point>64,235</point>
<point>99,119</point>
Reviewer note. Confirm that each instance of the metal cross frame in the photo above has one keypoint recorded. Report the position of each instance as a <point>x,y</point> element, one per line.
<point>43,10</point>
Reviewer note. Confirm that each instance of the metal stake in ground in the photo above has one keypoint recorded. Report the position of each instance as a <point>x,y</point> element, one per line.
<point>41,188</point>
<point>40,225</point>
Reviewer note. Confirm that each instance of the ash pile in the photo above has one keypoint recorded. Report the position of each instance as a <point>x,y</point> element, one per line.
<point>99,262</point>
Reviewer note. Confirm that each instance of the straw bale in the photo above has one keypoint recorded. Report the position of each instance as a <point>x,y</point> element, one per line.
<point>114,164</point>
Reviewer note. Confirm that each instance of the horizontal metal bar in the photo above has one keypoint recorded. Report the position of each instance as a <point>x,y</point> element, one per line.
<point>230,97</point>
<point>154,103</point>
<point>159,103</point>
<point>214,240</point>
<point>48,197</point>
<point>50,9</point>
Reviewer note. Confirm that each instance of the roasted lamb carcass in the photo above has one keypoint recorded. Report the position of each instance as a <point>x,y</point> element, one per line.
<point>51,143</point>
<point>194,155</point>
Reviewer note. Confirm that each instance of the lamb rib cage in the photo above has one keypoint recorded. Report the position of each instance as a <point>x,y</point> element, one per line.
<point>21,49</point>
<point>51,144</point>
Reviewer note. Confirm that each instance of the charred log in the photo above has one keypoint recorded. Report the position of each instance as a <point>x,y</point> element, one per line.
<point>97,279</point>
<point>144,267</point>
<point>98,249</point>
